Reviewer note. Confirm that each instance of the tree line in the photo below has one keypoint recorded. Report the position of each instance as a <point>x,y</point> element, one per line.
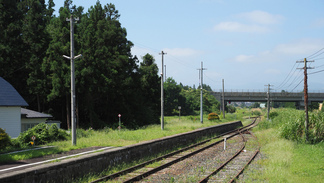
<point>109,79</point>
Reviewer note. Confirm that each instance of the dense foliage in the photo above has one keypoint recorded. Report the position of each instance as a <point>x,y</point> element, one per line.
<point>43,133</point>
<point>109,79</point>
<point>188,98</point>
<point>291,124</point>
<point>4,139</point>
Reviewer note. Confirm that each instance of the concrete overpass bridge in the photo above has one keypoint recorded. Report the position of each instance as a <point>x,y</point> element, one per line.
<point>258,96</point>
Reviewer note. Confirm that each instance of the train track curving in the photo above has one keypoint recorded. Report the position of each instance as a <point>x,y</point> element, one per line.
<point>218,159</point>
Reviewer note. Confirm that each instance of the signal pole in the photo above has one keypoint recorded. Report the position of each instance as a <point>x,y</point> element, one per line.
<point>201,92</point>
<point>162,98</point>
<point>305,94</point>
<point>72,57</point>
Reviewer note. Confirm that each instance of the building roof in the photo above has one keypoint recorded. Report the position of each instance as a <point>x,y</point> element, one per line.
<point>9,95</point>
<point>34,114</point>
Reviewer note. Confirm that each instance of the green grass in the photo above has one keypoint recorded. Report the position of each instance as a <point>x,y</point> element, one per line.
<point>124,137</point>
<point>29,154</point>
<point>286,160</point>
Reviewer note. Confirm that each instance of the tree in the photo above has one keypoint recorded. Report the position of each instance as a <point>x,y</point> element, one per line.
<point>55,67</point>
<point>150,85</point>
<point>255,105</point>
<point>11,50</point>
<point>36,40</point>
<point>173,98</point>
<point>108,77</point>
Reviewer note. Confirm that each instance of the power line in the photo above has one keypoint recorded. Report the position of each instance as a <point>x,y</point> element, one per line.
<point>315,54</point>
<point>146,47</point>
<point>315,72</point>
<point>319,58</point>
<point>283,83</point>
<point>297,76</point>
<point>297,85</point>
<point>319,66</point>
<point>170,56</point>
<point>210,78</point>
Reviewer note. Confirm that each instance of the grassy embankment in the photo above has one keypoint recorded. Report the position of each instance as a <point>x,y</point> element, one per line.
<point>110,137</point>
<point>286,160</point>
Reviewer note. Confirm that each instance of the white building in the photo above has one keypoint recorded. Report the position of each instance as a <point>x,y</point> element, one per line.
<point>30,118</point>
<point>13,118</point>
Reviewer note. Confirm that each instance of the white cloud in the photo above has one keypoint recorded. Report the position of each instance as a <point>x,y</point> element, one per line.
<point>140,52</point>
<point>292,51</point>
<point>262,17</point>
<point>244,58</point>
<point>260,22</point>
<point>302,47</point>
<point>239,27</point>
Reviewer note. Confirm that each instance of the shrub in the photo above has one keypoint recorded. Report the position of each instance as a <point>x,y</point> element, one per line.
<point>213,116</point>
<point>4,139</point>
<point>256,113</point>
<point>44,134</point>
<point>292,125</point>
<point>230,109</point>
<point>273,114</point>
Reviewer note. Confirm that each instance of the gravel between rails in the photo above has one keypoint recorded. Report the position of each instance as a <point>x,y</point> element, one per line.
<point>202,164</point>
<point>198,166</point>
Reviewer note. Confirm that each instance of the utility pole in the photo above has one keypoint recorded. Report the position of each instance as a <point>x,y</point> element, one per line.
<point>162,99</point>
<point>223,101</point>
<point>305,94</point>
<point>268,98</point>
<point>201,92</point>
<point>72,57</point>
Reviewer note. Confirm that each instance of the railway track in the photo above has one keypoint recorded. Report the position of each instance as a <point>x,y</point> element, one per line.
<point>200,162</point>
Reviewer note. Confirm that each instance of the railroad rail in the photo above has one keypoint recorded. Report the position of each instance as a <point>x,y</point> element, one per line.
<point>144,170</point>
<point>239,163</point>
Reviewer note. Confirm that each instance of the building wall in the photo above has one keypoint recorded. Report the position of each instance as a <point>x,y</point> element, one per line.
<point>10,120</point>
<point>27,123</point>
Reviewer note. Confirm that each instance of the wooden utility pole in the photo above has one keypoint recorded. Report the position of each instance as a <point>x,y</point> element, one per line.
<point>162,97</point>
<point>305,94</point>
<point>72,57</point>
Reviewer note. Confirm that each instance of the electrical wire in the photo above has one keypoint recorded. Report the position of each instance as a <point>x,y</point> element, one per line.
<point>312,56</point>
<point>210,78</point>
<point>296,79</point>
<point>319,58</point>
<point>297,85</point>
<point>283,83</point>
<point>315,72</point>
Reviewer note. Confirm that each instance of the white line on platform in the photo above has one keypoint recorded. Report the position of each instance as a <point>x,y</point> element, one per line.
<point>37,163</point>
<point>29,149</point>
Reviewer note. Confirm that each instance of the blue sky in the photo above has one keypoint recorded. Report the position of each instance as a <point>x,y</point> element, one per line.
<point>248,43</point>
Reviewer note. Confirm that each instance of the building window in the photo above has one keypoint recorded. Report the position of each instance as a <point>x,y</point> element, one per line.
<point>26,126</point>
